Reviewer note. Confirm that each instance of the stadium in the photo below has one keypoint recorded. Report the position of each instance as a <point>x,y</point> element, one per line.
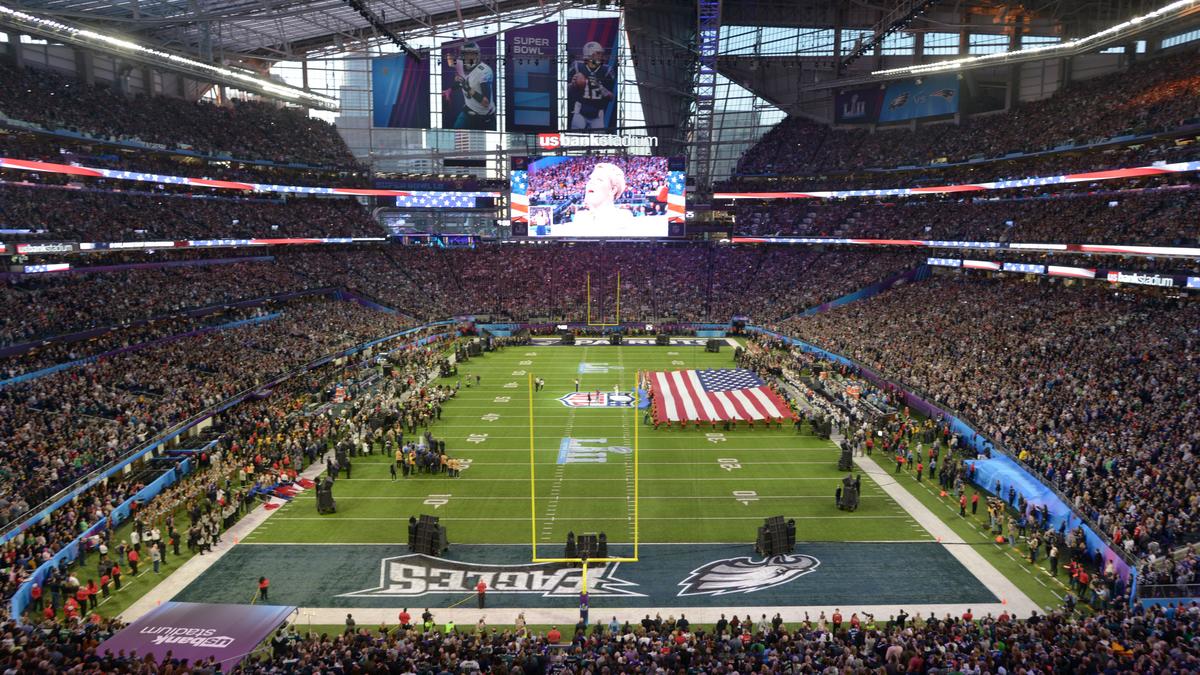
<point>723,336</point>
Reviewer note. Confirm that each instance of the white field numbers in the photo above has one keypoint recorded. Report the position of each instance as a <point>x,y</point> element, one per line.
<point>745,496</point>
<point>437,501</point>
<point>728,463</point>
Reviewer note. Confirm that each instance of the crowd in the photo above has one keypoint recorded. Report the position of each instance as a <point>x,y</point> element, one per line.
<point>658,284</point>
<point>1155,640</point>
<point>86,215</point>
<point>1158,216</point>
<point>60,427</point>
<point>1152,96</point>
<point>1089,387</point>
<point>261,443</point>
<point>41,147</point>
<point>242,129</point>
<point>1181,148</point>
<point>33,307</point>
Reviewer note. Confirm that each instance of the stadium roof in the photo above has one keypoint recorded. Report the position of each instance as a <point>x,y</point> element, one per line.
<point>269,28</point>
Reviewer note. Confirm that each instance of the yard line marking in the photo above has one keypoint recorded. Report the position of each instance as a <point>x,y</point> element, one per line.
<point>483,479</point>
<point>526,520</point>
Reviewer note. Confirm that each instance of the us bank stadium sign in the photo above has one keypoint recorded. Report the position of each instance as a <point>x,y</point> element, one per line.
<point>555,141</point>
<point>417,574</point>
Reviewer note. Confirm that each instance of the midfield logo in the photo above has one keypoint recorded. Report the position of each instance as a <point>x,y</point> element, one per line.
<point>580,399</point>
<point>416,574</point>
<point>745,575</point>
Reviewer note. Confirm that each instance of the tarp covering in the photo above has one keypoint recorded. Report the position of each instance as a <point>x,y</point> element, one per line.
<point>197,631</point>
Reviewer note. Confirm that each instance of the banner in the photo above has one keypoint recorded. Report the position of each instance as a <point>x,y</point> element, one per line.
<point>469,84</point>
<point>857,106</point>
<point>531,76</point>
<point>400,91</point>
<point>197,631</point>
<point>592,74</point>
<point>934,96</point>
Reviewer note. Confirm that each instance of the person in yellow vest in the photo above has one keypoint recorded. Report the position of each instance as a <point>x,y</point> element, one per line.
<point>400,461</point>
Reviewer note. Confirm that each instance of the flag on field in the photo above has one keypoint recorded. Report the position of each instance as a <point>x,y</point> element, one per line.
<point>714,395</point>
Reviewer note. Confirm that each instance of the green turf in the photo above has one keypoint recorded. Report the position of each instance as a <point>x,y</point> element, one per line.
<point>684,495</point>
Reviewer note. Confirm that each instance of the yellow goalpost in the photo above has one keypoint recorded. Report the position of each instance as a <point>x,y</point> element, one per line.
<point>589,302</point>
<point>533,532</point>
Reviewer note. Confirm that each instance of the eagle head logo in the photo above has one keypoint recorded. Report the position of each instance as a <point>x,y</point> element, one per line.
<point>746,575</point>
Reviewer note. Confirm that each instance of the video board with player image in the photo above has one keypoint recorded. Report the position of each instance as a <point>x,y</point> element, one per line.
<point>598,196</point>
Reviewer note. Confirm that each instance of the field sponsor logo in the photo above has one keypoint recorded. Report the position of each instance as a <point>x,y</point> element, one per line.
<point>746,575</point>
<point>588,450</point>
<point>416,574</point>
<point>582,399</point>
<point>597,368</point>
<point>627,342</point>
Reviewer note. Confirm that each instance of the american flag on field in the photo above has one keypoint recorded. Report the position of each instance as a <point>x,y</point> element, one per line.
<point>714,395</point>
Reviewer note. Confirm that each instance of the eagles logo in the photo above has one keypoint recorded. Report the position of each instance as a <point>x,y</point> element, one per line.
<point>745,575</point>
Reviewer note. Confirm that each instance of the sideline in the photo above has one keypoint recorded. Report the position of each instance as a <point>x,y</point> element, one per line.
<point>1018,604</point>
<point>178,580</point>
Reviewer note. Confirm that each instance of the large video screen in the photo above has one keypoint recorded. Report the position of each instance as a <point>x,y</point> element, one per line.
<point>596,196</point>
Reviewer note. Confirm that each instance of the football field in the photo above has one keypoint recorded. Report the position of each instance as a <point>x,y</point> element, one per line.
<point>693,485</point>
<point>692,498</point>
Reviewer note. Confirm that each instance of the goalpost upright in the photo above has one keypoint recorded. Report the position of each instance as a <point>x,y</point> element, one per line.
<point>589,302</point>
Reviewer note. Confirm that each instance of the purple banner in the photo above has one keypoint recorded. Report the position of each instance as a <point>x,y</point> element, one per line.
<point>531,77</point>
<point>199,631</point>
<point>592,74</point>
<point>469,84</point>
<point>857,106</point>
<point>400,91</point>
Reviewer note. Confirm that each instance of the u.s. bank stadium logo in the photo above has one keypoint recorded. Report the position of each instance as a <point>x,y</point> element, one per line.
<point>745,575</point>
<point>196,637</point>
<point>582,399</point>
<point>416,574</point>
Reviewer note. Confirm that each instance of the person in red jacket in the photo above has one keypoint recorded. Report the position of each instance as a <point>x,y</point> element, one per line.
<point>35,598</point>
<point>264,585</point>
<point>405,619</point>
<point>554,636</point>
<point>92,591</point>
<point>48,612</point>
<point>481,591</point>
<point>133,561</point>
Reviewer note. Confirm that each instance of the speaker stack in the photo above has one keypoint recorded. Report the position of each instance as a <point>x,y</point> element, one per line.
<point>567,339</point>
<point>587,546</point>
<point>713,345</point>
<point>426,536</point>
<point>776,537</point>
<point>614,339</point>
<point>662,340</point>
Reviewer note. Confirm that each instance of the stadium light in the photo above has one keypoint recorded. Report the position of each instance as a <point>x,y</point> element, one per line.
<point>1067,48</point>
<point>237,77</point>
